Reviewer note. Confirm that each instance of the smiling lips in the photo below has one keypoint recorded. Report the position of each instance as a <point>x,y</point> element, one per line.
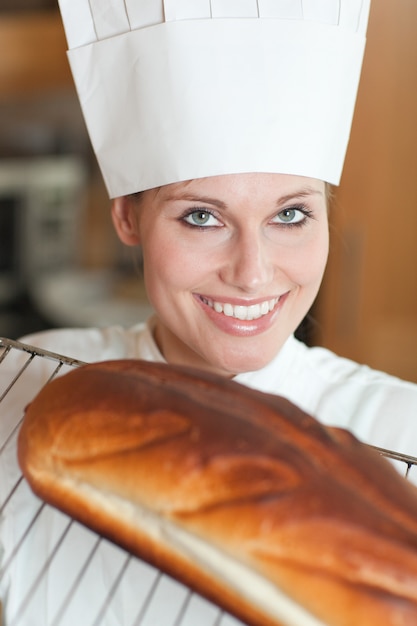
<point>241,312</point>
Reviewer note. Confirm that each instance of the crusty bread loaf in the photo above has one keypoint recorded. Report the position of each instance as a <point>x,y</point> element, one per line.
<point>238,494</point>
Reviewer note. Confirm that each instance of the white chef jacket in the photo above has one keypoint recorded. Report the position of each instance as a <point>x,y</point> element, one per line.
<point>378,408</point>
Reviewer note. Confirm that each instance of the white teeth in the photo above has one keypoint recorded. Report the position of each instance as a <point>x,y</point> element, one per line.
<point>241,312</point>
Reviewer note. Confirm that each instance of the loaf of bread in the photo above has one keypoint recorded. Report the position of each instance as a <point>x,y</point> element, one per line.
<point>238,494</point>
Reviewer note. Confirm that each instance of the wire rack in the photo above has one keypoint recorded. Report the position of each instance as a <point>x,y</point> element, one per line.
<point>61,569</point>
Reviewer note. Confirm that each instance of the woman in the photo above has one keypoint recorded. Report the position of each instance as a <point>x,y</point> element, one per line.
<point>232,265</point>
<point>218,136</point>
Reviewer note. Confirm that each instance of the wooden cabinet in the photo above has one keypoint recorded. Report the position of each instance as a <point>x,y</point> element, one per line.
<point>33,56</point>
<point>367,308</point>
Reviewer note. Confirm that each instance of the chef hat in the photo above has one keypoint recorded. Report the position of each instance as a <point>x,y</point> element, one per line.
<point>173,90</point>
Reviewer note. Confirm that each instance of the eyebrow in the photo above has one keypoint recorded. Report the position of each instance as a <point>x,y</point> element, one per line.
<point>197,198</point>
<point>299,193</point>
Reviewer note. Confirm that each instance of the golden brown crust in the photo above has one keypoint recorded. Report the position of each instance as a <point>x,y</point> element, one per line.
<point>308,507</point>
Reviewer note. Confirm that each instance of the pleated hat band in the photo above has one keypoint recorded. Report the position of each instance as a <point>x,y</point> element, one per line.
<point>180,89</point>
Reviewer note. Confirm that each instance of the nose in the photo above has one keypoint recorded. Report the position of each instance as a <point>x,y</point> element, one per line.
<point>248,263</point>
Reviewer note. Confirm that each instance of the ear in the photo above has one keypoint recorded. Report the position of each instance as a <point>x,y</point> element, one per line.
<point>125,220</point>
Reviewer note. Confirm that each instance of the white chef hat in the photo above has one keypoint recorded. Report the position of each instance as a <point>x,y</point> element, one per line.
<point>173,90</point>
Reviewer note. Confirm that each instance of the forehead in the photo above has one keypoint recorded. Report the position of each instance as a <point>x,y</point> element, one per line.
<point>248,184</point>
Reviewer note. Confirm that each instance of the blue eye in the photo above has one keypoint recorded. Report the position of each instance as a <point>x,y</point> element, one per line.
<point>200,218</point>
<point>292,216</point>
<point>288,215</point>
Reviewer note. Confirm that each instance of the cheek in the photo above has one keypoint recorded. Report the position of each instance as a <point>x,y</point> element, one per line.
<point>309,261</point>
<point>319,253</point>
<point>170,267</point>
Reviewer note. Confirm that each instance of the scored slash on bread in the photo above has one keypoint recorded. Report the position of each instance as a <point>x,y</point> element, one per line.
<point>236,493</point>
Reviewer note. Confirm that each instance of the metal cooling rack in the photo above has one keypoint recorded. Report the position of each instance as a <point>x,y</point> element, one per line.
<point>75,558</point>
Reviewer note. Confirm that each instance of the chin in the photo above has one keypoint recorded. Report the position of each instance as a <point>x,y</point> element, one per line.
<point>240,363</point>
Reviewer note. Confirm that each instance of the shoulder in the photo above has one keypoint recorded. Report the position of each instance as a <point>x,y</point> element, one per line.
<point>332,372</point>
<point>377,407</point>
<point>88,344</point>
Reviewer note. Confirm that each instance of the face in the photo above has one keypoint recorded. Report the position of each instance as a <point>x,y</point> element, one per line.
<point>232,264</point>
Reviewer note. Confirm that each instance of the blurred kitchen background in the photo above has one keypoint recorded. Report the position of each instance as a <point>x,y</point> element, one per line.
<point>61,264</point>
